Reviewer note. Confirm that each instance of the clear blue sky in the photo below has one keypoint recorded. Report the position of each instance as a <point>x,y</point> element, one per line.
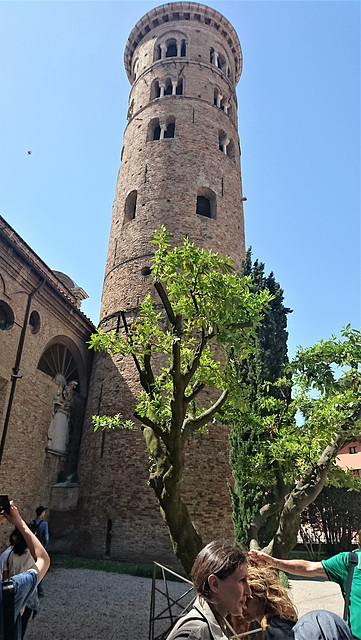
<point>64,96</point>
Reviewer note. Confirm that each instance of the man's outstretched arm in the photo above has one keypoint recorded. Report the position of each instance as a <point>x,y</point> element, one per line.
<point>304,568</point>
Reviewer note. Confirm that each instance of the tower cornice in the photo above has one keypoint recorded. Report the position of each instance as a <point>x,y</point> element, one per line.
<point>176,12</point>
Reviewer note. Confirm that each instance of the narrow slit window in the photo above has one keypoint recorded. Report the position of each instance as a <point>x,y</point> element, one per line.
<point>130,206</point>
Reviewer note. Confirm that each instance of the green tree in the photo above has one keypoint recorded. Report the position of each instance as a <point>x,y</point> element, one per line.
<point>335,515</point>
<point>187,341</point>
<point>298,455</point>
<point>248,438</point>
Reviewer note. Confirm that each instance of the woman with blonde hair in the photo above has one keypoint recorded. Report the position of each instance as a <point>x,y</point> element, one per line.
<point>269,603</point>
<point>272,607</point>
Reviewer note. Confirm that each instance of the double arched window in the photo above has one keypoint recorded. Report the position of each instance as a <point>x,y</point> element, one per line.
<point>160,130</point>
<point>222,101</point>
<point>219,60</point>
<point>226,145</point>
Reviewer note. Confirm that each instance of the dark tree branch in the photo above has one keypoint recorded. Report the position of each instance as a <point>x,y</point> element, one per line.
<point>165,301</point>
<point>190,425</point>
<point>129,337</point>
<point>195,392</point>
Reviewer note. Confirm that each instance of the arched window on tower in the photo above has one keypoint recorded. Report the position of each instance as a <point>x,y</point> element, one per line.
<point>136,69</point>
<point>130,206</point>
<point>171,51</point>
<point>218,60</point>
<point>169,132</point>
<point>160,130</point>
<point>231,152</point>
<point>226,145</point>
<point>168,87</point>
<point>217,97</point>
<point>156,133</point>
<point>223,141</point>
<point>154,90</point>
<point>222,63</point>
<point>175,46</point>
<point>206,203</point>
<point>153,130</point>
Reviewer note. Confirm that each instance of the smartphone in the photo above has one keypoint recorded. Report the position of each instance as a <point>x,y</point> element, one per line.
<point>4,504</point>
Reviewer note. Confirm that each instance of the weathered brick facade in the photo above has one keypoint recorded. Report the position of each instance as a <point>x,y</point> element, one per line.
<point>39,315</point>
<point>181,168</point>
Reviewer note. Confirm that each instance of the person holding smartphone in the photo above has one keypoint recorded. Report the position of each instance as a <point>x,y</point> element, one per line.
<point>17,590</point>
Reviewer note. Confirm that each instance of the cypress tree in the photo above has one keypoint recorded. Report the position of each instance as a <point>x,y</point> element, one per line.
<point>254,474</point>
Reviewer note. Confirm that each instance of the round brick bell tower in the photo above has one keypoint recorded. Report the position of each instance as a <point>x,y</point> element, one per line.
<point>180,166</point>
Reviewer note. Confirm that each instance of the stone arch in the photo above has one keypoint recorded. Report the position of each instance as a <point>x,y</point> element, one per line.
<point>61,355</point>
<point>206,203</point>
<point>62,361</point>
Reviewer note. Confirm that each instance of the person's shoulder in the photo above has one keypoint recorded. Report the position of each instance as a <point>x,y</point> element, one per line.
<point>340,558</point>
<point>5,553</point>
<point>26,577</point>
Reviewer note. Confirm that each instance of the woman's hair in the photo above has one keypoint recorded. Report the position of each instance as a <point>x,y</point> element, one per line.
<point>20,544</point>
<point>265,585</point>
<point>220,558</point>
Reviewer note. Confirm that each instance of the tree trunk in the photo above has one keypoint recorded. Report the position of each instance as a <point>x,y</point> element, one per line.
<point>165,479</point>
<point>305,491</point>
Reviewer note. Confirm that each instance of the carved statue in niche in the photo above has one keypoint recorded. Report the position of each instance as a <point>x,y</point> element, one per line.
<point>58,432</point>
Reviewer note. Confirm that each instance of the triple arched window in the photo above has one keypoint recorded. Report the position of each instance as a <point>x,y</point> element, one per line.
<point>171,47</point>
<point>166,87</point>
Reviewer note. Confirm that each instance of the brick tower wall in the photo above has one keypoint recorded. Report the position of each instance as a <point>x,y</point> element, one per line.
<point>119,516</point>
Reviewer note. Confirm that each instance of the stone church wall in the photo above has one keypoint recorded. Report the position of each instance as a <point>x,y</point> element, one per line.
<point>28,470</point>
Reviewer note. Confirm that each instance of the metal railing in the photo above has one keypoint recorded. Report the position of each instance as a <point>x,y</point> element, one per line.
<point>165,607</point>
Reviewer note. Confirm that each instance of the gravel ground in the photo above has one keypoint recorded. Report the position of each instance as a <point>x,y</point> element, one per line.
<point>81,604</point>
